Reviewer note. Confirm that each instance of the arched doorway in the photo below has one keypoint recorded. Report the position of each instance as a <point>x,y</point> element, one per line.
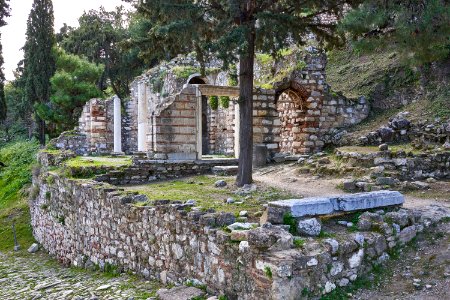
<point>291,107</point>
<point>196,79</point>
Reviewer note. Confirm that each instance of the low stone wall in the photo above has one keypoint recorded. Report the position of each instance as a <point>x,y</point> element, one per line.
<point>144,170</point>
<point>402,165</point>
<point>86,223</point>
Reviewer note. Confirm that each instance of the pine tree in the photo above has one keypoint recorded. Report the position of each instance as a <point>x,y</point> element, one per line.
<point>236,29</point>
<point>418,30</point>
<point>4,12</point>
<point>39,60</point>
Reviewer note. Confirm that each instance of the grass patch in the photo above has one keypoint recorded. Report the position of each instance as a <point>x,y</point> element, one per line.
<point>206,195</point>
<point>19,158</point>
<point>99,161</point>
<point>288,219</point>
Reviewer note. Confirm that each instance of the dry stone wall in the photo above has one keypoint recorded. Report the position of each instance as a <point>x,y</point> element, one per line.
<point>87,223</point>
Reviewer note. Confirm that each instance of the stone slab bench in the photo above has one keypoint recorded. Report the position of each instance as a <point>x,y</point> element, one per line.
<point>317,206</point>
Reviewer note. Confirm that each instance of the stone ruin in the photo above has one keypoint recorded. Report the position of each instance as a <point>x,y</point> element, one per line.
<point>90,224</point>
<point>168,116</point>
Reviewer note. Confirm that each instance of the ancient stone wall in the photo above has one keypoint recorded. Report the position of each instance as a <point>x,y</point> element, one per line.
<point>96,123</point>
<point>86,223</point>
<point>221,124</point>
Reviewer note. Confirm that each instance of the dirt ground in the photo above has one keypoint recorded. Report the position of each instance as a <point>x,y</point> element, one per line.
<point>284,176</point>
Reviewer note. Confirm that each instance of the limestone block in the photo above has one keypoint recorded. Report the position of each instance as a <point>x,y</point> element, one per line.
<point>370,200</point>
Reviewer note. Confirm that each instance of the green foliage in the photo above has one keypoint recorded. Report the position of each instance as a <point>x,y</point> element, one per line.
<point>224,101</point>
<point>419,30</point>
<point>74,83</point>
<point>233,80</point>
<point>39,58</point>
<point>111,270</point>
<point>439,101</point>
<point>185,71</point>
<point>19,158</point>
<point>268,271</point>
<point>288,219</point>
<point>4,12</point>
<point>99,38</point>
<point>214,102</point>
<point>298,242</point>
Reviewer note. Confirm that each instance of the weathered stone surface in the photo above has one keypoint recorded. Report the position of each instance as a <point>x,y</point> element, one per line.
<point>33,248</point>
<point>370,200</point>
<point>302,207</point>
<point>180,293</point>
<point>220,183</point>
<point>323,205</point>
<point>407,234</point>
<point>225,170</point>
<point>309,227</point>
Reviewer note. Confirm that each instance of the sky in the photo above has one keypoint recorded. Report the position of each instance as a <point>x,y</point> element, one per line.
<point>13,34</point>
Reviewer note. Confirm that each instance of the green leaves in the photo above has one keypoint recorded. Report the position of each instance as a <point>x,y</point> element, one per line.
<point>74,83</point>
<point>419,30</point>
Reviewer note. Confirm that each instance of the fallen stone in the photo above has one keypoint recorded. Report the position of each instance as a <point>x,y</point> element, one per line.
<point>242,226</point>
<point>349,185</point>
<point>383,147</point>
<point>180,293</point>
<point>385,181</point>
<point>407,234</point>
<point>421,185</point>
<point>309,227</point>
<point>243,213</point>
<point>356,259</point>
<point>103,287</point>
<point>33,248</point>
<point>239,235</point>
<point>220,183</point>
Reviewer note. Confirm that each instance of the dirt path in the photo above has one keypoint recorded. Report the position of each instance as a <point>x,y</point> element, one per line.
<point>284,176</point>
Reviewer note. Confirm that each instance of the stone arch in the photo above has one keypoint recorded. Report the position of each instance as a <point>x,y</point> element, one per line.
<point>291,104</point>
<point>196,79</point>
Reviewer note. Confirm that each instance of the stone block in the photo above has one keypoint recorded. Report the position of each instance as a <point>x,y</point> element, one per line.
<point>328,205</point>
<point>370,200</point>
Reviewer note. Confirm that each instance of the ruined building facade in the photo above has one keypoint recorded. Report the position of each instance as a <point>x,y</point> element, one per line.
<point>168,114</point>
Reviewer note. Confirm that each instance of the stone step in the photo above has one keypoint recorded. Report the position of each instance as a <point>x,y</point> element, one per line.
<point>225,170</point>
<point>330,205</point>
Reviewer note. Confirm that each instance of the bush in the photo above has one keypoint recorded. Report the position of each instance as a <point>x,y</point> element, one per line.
<point>224,101</point>
<point>214,102</point>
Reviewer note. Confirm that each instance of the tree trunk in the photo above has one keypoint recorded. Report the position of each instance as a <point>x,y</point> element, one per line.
<point>41,130</point>
<point>246,62</point>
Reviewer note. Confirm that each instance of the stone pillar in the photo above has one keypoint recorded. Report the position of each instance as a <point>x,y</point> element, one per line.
<point>142,118</point>
<point>117,125</point>
<point>198,119</point>
<point>237,126</point>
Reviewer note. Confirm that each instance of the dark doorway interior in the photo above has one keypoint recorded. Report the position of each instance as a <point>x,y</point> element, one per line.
<point>205,131</point>
<point>196,80</point>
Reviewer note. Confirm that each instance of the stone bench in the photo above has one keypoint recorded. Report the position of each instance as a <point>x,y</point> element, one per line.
<point>317,206</point>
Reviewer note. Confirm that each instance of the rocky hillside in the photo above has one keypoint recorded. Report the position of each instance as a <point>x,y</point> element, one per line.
<point>391,86</point>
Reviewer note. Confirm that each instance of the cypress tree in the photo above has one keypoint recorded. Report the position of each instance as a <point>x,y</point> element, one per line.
<point>39,60</point>
<point>4,12</point>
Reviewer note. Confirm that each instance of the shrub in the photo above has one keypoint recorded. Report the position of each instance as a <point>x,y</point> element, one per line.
<point>214,102</point>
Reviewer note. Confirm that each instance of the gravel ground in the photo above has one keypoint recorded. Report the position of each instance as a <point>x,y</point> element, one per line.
<point>38,277</point>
